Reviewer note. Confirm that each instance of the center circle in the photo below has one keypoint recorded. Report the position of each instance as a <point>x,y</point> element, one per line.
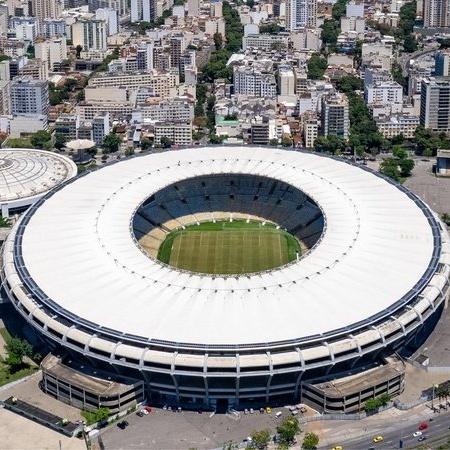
<point>228,224</point>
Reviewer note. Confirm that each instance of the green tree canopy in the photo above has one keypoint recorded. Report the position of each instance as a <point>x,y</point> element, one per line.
<point>260,439</point>
<point>41,139</point>
<point>111,143</point>
<point>310,441</point>
<point>288,429</point>
<point>316,66</point>
<point>17,349</point>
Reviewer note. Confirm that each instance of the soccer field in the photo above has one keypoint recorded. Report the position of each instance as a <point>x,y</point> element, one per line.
<point>229,247</point>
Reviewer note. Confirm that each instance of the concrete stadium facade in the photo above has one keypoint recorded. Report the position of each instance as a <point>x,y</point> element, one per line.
<point>229,340</point>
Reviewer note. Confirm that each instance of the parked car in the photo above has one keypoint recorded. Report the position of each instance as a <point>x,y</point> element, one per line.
<point>148,408</point>
<point>417,434</point>
<point>378,439</point>
<point>122,425</point>
<point>140,414</point>
<point>144,411</point>
<point>423,426</point>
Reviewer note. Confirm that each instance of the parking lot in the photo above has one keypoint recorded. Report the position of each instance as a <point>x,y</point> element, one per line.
<point>187,429</point>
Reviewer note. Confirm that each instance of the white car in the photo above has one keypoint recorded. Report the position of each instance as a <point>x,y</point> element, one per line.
<point>144,411</point>
<point>417,434</point>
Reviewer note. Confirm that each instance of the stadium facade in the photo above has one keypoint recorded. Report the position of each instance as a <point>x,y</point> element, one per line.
<point>374,278</point>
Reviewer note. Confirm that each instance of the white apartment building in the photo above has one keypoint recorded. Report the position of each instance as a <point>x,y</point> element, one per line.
<point>385,93</point>
<point>53,52</point>
<point>29,96</point>
<point>335,116</point>
<point>143,10</point>
<point>47,9</point>
<point>286,81</point>
<point>91,34</point>
<point>116,110</point>
<point>265,41</point>
<point>176,109</point>
<point>161,83</point>
<point>111,17</point>
<point>253,82</point>
<point>310,131</point>
<point>53,27</point>
<point>5,94</point>
<point>300,14</point>
<point>179,133</point>
<point>25,28</point>
<point>394,125</point>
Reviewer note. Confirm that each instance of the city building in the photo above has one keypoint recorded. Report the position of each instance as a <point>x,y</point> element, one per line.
<point>335,116</point>
<point>396,124</point>
<point>29,96</point>
<point>67,125</point>
<point>47,9</point>
<point>436,13</point>
<point>256,80</point>
<point>52,51</point>
<point>301,14</point>
<point>310,130</point>
<point>385,93</point>
<point>435,103</point>
<point>443,163</point>
<point>178,133</point>
<point>143,10</point>
<point>442,64</point>
<point>5,95</point>
<point>90,34</point>
<point>100,127</point>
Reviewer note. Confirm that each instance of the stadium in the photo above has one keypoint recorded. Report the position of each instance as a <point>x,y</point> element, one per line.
<point>229,275</point>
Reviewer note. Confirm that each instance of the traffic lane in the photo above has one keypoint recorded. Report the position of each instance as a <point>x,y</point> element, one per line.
<point>437,427</point>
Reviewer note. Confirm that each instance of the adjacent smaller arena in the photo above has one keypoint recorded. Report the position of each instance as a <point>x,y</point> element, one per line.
<point>28,174</point>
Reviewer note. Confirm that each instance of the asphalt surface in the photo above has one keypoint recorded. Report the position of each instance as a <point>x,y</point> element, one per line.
<point>438,427</point>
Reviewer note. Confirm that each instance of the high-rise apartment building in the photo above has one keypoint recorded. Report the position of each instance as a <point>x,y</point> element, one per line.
<point>143,10</point>
<point>335,116</point>
<point>47,9</point>
<point>29,96</point>
<point>436,13</point>
<point>91,34</point>
<point>53,52</point>
<point>442,64</point>
<point>435,103</point>
<point>300,14</point>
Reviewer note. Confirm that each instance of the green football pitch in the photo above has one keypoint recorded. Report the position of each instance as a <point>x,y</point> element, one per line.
<point>229,247</point>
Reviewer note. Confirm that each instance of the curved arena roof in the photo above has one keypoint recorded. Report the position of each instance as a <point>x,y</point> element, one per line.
<point>27,174</point>
<point>380,248</point>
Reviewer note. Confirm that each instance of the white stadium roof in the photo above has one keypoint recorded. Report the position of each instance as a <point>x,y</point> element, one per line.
<point>78,247</point>
<point>29,173</point>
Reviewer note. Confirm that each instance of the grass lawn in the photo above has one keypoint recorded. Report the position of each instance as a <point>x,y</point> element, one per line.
<point>19,143</point>
<point>229,247</point>
<point>7,377</point>
<point>5,373</point>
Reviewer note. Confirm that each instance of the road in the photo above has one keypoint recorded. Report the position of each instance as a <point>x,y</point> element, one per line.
<point>438,427</point>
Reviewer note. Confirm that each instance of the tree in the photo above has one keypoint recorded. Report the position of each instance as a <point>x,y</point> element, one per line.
<point>446,219</point>
<point>288,429</point>
<point>96,416</point>
<point>410,44</point>
<point>78,50</point>
<point>218,41</point>
<point>146,144</point>
<point>165,142</point>
<point>273,142</point>
<point>286,141</point>
<point>41,139</point>
<point>330,32</point>
<point>17,349</point>
<point>260,439</point>
<point>329,144</point>
<point>269,28</point>
<point>349,84</point>
<point>111,143</point>
<point>31,51</point>
<point>390,168</point>
<point>310,441</point>
<point>316,67</point>
<point>60,140</point>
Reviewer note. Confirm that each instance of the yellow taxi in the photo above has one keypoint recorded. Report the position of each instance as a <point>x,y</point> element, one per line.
<point>338,447</point>
<point>378,439</point>
<point>269,410</point>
